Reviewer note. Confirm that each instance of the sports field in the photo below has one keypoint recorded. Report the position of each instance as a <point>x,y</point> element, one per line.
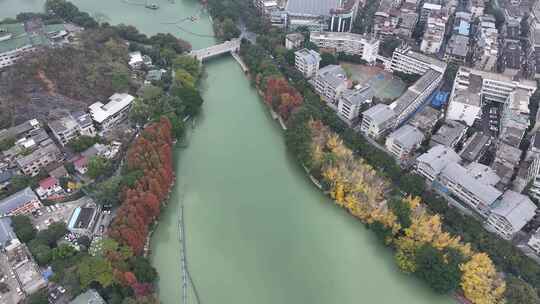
<point>384,84</point>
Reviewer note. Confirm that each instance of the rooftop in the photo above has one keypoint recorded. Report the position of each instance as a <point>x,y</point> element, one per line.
<point>475,146</point>
<point>48,182</point>
<point>358,96</point>
<point>460,175</point>
<point>295,37</point>
<point>439,157</point>
<point>315,7</point>
<point>117,102</point>
<point>310,56</point>
<point>379,113</point>
<point>449,133</point>
<point>89,297</point>
<point>425,119</point>
<point>38,154</point>
<point>342,36</point>
<point>517,208</point>
<point>81,218</point>
<point>16,200</point>
<point>407,136</point>
<point>6,232</point>
<point>333,74</point>
<point>483,173</point>
<point>458,46</point>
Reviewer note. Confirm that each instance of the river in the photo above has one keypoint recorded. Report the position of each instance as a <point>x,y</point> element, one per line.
<point>257,230</point>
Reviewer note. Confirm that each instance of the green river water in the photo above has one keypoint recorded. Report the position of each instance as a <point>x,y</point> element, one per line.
<point>257,230</point>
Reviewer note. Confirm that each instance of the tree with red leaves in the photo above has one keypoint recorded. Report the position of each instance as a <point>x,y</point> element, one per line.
<point>281,96</point>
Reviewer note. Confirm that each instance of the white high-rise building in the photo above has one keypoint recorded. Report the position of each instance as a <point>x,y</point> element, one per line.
<point>348,43</point>
<point>307,62</point>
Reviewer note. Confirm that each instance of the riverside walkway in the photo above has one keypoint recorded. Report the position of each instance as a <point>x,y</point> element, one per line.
<point>232,46</point>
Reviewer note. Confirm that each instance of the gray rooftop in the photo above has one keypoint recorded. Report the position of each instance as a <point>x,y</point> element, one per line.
<point>18,130</point>
<point>458,45</point>
<point>449,133</point>
<point>439,157</point>
<point>310,56</point>
<point>425,119</point>
<point>404,101</point>
<point>507,153</point>
<point>333,74</point>
<point>517,208</point>
<point>483,173</point>
<point>312,7</point>
<point>16,200</point>
<point>475,146</point>
<point>459,175</point>
<point>358,96</point>
<point>89,297</point>
<point>6,231</point>
<point>37,154</point>
<point>407,136</point>
<point>295,37</point>
<point>379,113</point>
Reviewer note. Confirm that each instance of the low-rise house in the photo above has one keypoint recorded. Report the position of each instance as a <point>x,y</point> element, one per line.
<point>351,102</point>
<point>22,202</point>
<point>377,120</point>
<point>48,187</point>
<point>449,134</point>
<point>44,155</point>
<point>294,40</point>
<point>433,34</point>
<point>510,213</point>
<point>135,60</point>
<point>307,62</point>
<point>59,172</point>
<point>20,131</point>
<point>403,142</point>
<point>81,165</point>
<point>114,112</point>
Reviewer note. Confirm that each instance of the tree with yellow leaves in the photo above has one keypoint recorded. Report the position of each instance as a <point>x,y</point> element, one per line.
<point>480,282</point>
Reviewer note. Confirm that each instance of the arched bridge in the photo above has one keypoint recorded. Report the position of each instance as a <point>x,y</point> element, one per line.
<point>232,46</point>
<point>218,49</point>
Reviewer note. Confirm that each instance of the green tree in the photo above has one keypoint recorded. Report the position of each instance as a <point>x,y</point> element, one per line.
<point>191,99</point>
<point>440,270</point>
<point>412,184</point>
<point>22,225</point>
<point>40,251</point>
<point>327,59</point>
<point>402,211</point>
<point>120,81</point>
<point>382,232</point>
<point>107,192</point>
<point>52,234</point>
<point>7,143</point>
<point>143,270</point>
<point>97,166</point>
<point>229,29</point>
<point>519,292</point>
<point>188,63</point>
<point>62,252</point>
<point>95,269</point>
<point>388,46</point>
<point>184,79</point>
<point>40,297</point>
<point>82,143</point>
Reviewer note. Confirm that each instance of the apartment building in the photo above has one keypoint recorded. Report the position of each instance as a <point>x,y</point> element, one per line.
<point>490,86</point>
<point>114,112</point>
<point>433,34</point>
<point>449,134</point>
<point>377,120</point>
<point>351,102</point>
<point>69,127</point>
<point>329,83</point>
<point>487,44</point>
<point>510,214</point>
<point>45,154</point>
<point>514,119</point>
<point>457,49</point>
<point>322,15</point>
<point>476,7</point>
<point>348,43</point>
<point>415,96</point>
<point>405,60</point>
<point>403,142</point>
<point>429,9</point>
<point>307,62</point>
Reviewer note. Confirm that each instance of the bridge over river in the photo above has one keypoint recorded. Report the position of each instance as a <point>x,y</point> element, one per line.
<point>231,46</point>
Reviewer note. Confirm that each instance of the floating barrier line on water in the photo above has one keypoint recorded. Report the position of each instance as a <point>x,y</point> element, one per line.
<point>128,2</point>
<point>186,276</point>
<point>194,34</point>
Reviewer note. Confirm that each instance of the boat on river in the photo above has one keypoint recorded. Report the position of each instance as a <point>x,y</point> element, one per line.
<point>152,6</point>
